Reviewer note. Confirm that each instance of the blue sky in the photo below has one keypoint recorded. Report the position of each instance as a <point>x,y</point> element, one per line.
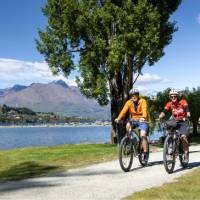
<point>20,63</point>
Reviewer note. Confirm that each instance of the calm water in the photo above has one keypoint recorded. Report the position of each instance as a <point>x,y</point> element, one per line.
<point>11,138</point>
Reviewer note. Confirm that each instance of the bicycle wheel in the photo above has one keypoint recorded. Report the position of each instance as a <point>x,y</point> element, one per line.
<point>141,156</point>
<point>184,164</point>
<point>169,154</point>
<point>126,154</point>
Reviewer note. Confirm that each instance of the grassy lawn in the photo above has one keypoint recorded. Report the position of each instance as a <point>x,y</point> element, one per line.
<point>185,187</point>
<point>33,162</point>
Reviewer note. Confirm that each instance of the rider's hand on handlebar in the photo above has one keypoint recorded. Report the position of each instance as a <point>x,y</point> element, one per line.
<point>157,119</point>
<point>116,120</point>
<point>188,116</point>
<point>141,119</point>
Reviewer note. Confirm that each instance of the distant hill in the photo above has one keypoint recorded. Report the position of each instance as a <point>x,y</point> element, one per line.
<point>55,97</point>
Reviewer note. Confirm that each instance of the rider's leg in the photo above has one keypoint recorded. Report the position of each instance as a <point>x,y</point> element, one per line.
<point>143,137</point>
<point>128,127</point>
<point>184,130</point>
<point>185,147</point>
<point>185,143</point>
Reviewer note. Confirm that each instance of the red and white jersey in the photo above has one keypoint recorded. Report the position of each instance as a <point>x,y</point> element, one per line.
<point>178,109</point>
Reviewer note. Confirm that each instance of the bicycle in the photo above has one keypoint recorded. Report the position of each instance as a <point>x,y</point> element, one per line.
<point>131,145</point>
<point>173,147</point>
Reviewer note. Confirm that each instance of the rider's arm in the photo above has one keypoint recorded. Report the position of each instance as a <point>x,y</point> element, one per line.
<point>166,109</point>
<point>144,110</point>
<point>186,107</point>
<point>123,112</point>
<point>187,111</point>
<point>162,114</point>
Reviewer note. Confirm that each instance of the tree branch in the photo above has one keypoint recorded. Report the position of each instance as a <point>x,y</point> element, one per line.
<point>136,78</point>
<point>77,50</point>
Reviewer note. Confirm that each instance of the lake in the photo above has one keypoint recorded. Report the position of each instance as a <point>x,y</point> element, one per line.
<point>11,138</point>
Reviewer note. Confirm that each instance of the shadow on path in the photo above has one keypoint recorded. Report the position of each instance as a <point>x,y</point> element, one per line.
<point>23,171</point>
<point>190,166</point>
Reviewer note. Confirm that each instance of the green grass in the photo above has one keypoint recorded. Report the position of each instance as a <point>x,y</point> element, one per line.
<point>185,187</point>
<point>33,162</point>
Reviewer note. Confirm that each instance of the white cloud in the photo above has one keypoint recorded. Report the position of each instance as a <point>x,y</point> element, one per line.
<point>198,18</point>
<point>25,72</point>
<point>147,79</point>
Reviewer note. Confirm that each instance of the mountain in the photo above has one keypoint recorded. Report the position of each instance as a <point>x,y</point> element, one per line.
<point>15,88</point>
<point>55,97</point>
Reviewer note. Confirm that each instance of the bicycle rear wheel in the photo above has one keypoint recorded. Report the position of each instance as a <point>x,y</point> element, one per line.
<point>126,154</point>
<point>184,164</point>
<point>141,156</point>
<point>169,154</point>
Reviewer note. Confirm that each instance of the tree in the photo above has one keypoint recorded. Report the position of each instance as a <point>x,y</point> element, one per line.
<point>113,38</point>
<point>5,109</point>
<point>193,98</point>
<point>160,101</point>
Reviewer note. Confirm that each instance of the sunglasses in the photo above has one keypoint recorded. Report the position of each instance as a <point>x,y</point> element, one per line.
<point>173,97</point>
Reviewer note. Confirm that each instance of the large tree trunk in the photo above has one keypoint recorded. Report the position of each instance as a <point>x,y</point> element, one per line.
<point>119,88</point>
<point>116,103</point>
<point>127,79</point>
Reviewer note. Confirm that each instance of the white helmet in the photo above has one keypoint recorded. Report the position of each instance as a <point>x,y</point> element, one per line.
<point>134,91</point>
<point>174,92</point>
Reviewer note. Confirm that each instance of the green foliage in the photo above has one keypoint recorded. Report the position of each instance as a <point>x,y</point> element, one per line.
<point>192,96</point>
<point>6,109</point>
<point>159,103</point>
<point>105,34</point>
<point>17,116</point>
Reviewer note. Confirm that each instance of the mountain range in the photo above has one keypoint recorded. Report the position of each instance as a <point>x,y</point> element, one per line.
<point>57,97</point>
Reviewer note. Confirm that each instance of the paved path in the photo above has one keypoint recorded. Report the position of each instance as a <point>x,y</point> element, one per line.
<point>97,182</point>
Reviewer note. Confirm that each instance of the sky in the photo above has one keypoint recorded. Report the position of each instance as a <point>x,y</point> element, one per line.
<point>21,63</point>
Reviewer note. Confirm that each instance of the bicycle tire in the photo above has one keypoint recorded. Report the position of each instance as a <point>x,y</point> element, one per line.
<point>169,168</point>
<point>126,151</point>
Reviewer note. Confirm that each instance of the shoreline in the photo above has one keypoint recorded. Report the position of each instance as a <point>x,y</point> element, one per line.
<point>53,125</point>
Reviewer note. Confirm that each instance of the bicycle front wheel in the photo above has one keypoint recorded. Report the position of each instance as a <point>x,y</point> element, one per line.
<point>126,154</point>
<point>169,154</point>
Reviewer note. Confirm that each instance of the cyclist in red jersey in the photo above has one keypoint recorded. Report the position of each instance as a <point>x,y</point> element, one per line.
<point>180,112</point>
